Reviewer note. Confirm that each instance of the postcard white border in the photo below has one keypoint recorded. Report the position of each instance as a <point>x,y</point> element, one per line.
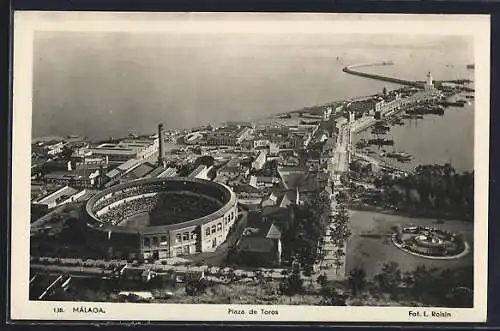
<point>26,23</point>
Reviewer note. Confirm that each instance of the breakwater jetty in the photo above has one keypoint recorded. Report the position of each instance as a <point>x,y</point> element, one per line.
<point>351,70</point>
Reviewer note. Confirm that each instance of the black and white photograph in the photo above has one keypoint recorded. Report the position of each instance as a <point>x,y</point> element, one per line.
<point>250,167</point>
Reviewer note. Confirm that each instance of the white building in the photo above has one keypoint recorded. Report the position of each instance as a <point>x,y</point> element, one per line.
<point>259,161</point>
<point>127,149</point>
<point>60,197</point>
<point>327,112</point>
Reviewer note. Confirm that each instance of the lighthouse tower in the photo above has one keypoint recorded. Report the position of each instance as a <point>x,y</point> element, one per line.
<point>429,85</point>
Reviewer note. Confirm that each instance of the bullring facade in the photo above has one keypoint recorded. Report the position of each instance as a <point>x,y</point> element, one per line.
<point>158,218</point>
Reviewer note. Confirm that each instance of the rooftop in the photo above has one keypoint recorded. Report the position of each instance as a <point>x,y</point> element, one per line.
<point>38,191</point>
<point>127,146</point>
<point>62,193</point>
<point>141,171</point>
<point>155,172</point>
<point>199,169</point>
<point>169,172</point>
<point>233,163</point>
<point>46,140</point>
<point>273,232</point>
<point>128,165</point>
<point>256,244</point>
<point>113,173</point>
<point>74,174</point>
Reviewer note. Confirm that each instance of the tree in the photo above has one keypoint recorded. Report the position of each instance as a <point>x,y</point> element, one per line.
<point>357,280</point>
<point>340,232</point>
<point>292,284</point>
<point>390,278</point>
<point>332,296</point>
<point>430,187</point>
<point>205,160</point>
<point>259,276</point>
<point>67,152</point>
<point>322,280</point>
<point>341,198</point>
<point>419,281</point>
<point>185,170</point>
<point>196,287</point>
<point>231,275</point>
<point>460,297</point>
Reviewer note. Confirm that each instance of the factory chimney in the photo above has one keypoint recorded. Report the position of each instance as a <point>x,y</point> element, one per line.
<point>161,148</point>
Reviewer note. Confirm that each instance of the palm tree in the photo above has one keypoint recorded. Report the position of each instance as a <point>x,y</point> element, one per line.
<point>357,280</point>
<point>338,264</point>
<point>339,253</point>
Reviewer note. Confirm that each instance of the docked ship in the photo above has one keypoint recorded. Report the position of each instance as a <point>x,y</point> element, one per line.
<point>381,142</point>
<point>457,103</point>
<point>429,109</point>
<point>399,156</point>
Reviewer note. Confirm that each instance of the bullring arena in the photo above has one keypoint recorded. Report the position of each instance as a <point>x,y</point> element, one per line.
<point>160,218</point>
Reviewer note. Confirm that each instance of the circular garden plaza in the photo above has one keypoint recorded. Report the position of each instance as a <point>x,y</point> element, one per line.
<point>162,217</point>
<point>430,242</point>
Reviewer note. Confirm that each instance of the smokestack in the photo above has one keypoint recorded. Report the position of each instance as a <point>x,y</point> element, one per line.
<point>161,148</point>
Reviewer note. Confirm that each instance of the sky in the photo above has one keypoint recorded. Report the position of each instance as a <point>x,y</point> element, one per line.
<point>102,84</point>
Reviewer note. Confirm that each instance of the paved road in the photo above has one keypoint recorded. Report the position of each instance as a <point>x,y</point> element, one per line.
<point>339,164</point>
<point>100,268</point>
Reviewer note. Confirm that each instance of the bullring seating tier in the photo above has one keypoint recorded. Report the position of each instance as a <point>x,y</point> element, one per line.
<point>172,203</point>
<point>173,206</point>
<point>151,188</point>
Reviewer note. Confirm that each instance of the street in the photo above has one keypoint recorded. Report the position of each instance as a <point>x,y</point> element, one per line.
<point>339,165</point>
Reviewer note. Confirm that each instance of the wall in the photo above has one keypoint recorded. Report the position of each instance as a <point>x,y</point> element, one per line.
<point>211,241</point>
